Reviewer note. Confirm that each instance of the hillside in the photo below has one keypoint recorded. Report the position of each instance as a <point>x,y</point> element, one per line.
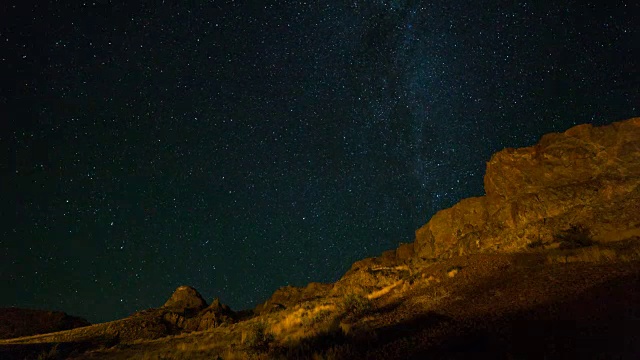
<point>545,265</point>
<point>15,322</point>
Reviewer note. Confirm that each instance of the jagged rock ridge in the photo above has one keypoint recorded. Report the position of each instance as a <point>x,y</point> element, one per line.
<point>587,176</point>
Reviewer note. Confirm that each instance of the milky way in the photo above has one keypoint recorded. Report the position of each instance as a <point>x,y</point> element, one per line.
<point>239,147</point>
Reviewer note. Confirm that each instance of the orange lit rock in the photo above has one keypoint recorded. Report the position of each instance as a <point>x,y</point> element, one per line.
<point>185,298</point>
<point>587,176</point>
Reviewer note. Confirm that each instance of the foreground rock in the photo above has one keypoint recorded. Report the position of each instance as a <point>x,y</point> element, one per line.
<point>586,178</point>
<point>15,322</point>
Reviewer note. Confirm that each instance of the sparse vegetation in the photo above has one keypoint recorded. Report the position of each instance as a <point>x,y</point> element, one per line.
<point>260,339</point>
<point>303,321</point>
<point>432,297</point>
<point>356,304</point>
<point>51,354</point>
<point>315,345</point>
<point>536,244</point>
<point>576,236</point>
<point>594,254</point>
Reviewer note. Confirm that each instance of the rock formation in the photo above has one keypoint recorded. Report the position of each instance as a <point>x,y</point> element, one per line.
<point>569,210</point>
<point>186,310</point>
<point>185,299</point>
<point>289,295</point>
<point>584,182</point>
<point>587,177</point>
<point>214,315</point>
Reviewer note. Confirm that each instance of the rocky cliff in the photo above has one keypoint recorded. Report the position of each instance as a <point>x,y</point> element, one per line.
<point>580,185</point>
<point>586,178</point>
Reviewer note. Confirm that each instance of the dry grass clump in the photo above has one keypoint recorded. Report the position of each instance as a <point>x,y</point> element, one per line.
<point>631,255</point>
<point>384,291</point>
<point>536,244</point>
<point>303,317</point>
<point>574,237</point>
<point>260,337</point>
<point>592,255</point>
<point>628,250</point>
<point>356,305</point>
<point>432,297</point>
<point>316,344</point>
<point>312,330</point>
<point>52,353</point>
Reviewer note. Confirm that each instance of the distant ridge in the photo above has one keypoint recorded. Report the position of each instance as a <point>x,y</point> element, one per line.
<point>16,322</point>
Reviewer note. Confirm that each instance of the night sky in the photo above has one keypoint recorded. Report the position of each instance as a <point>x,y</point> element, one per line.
<point>240,146</point>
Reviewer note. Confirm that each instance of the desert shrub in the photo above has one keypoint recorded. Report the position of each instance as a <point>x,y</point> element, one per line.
<point>317,317</point>
<point>314,346</point>
<point>338,352</point>
<point>50,354</point>
<point>576,236</point>
<point>535,244</point>
<point>260,338</point>
<point>431,298</point>
<point>356,304</point>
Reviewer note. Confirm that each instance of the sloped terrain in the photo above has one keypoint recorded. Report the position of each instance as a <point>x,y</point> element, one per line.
<point>520,305</point>
<point>15,322</point>
<point>546,265</point>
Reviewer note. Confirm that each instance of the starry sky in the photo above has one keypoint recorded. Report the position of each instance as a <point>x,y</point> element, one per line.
<point>240,146</point>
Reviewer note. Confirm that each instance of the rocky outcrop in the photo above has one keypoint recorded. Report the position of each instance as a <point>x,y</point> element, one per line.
<point>185,311</point>
<point>587,177</point>
<point>289,295</point>
<point>185,299</point>
<point>214,315</point>
<point>15,322</point>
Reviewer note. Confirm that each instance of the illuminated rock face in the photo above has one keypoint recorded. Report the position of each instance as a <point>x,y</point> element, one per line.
<point>290,295</point>
<point>587,177</point>
<point>185,298</point>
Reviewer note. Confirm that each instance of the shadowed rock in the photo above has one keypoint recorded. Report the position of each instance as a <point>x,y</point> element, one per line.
<point>15,322</point>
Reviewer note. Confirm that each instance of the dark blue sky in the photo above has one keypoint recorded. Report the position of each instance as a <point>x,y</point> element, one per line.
<point>240,146</point>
